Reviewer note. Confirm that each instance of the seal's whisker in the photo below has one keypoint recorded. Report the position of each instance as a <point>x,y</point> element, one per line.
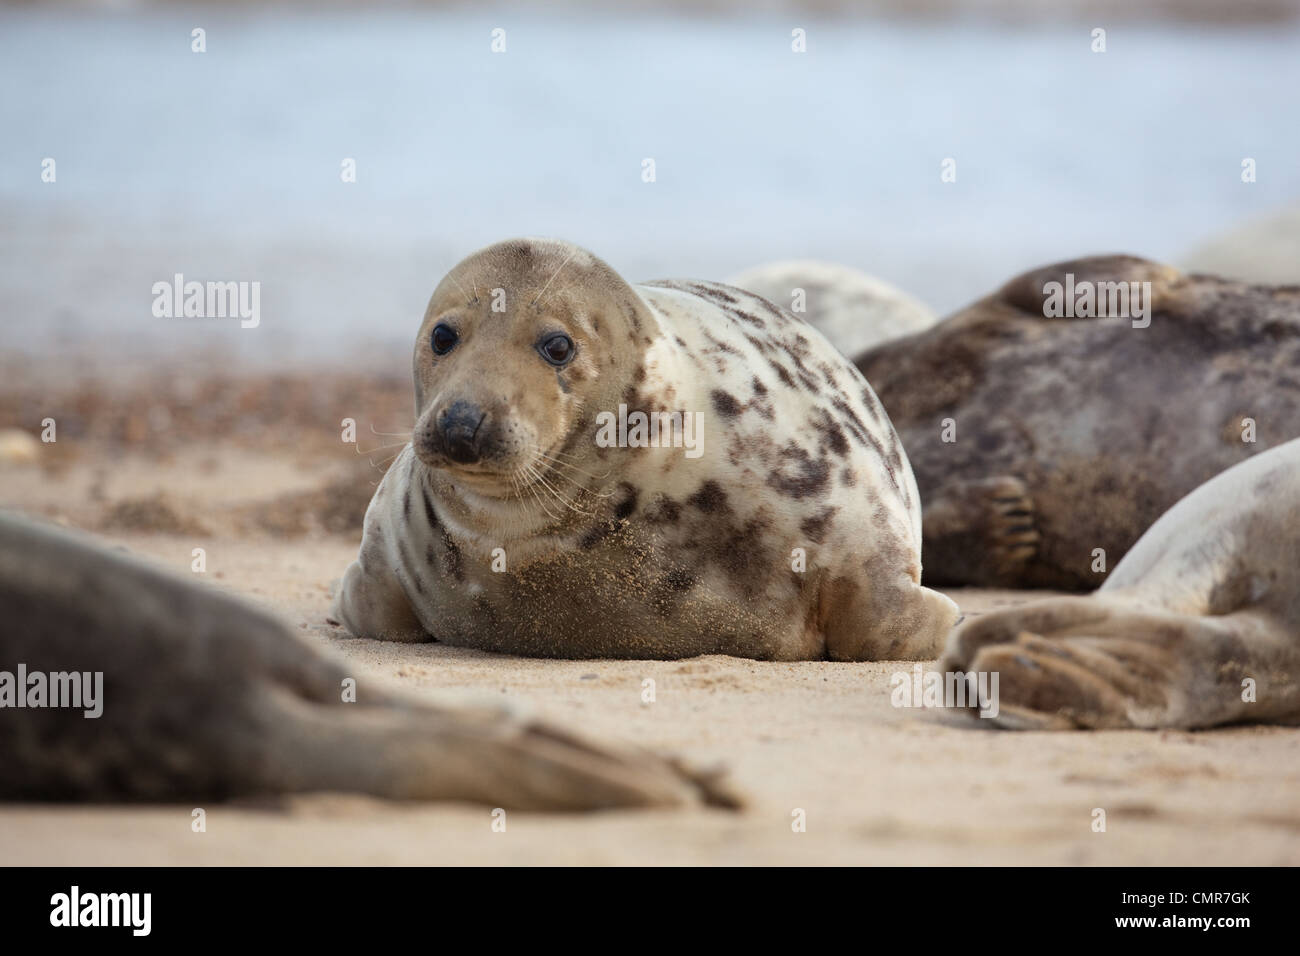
<point>385,460</point>
<point>518,482</point>
<point>403,434</point>
<point>556,453</point>
<point>561,454</point>
<point>541,500</point>
<point>572,467</point>
<point>532,487</point>
<point>552,278</point>
<point>468,300</point>
<point>551,470</point>
<point>371,451</point>
<point>543,484</point>
<point>560,498</point>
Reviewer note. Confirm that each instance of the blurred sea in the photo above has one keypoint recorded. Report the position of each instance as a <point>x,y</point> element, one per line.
<point>225,165</point>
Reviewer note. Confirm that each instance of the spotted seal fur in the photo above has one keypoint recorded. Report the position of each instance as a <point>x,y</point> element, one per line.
<point>509,525</point>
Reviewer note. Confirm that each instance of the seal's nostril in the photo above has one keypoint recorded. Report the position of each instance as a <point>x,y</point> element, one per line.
<point>460,424</point>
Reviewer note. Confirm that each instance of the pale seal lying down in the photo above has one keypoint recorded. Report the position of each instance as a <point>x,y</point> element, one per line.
<point>773,516</point>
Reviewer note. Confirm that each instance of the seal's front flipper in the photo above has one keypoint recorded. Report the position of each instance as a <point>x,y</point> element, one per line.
<point>979,533</point>
<point>371,603</point>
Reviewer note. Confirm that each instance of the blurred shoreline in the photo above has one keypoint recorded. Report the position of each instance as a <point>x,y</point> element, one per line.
<point>226,166</point>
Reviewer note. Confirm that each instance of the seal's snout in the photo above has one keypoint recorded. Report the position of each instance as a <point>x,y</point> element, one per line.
<point>461,428</point>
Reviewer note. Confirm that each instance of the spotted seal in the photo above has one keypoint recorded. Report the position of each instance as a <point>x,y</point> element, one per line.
<point>1199,625</point>
<point>777,518</point>
<point>202,696</point>
<point>1047,439</point>
<point>853,310</point>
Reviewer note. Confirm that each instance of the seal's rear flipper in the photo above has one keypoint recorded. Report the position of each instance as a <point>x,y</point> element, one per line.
<point>489,755</point>
<point>194,694</point>
<point>979,533</point>
<point>1095,662</point>
<point>887,620</point>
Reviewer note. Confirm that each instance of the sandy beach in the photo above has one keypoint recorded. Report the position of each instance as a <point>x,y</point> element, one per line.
<point>132,158</point>
<point>260,480</point>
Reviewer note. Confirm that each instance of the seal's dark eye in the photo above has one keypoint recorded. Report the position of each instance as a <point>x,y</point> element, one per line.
<point>557,349</point>
<point>444,338</point>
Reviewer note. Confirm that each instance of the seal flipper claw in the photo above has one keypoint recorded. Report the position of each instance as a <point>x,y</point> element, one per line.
<point>979,533</point>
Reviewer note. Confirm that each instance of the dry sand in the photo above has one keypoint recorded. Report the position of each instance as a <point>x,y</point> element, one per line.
<point>277,509</point>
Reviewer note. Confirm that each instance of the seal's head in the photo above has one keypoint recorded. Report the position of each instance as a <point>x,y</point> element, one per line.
<point>522,343</point>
